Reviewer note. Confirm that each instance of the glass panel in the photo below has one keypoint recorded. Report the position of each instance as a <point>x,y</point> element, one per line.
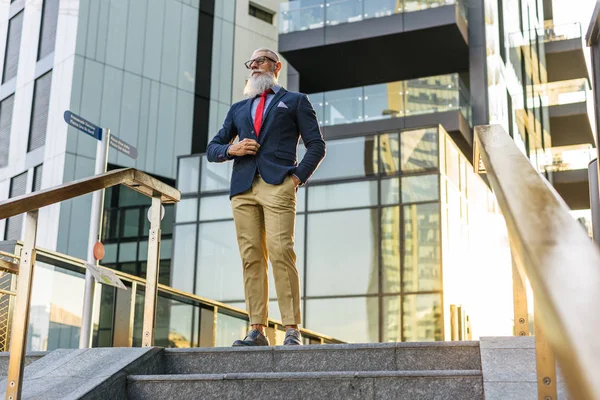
<point>432,94</point>
<point>383,101</point>
<point>229,329</point>
<point>420,188</point>
<point>354,320</point>
<point>389,149</point>
<point>187,210</point>
<point>173,323</point>
<point>128,252</point>
<point>215,176</point>
<point>301,200</point>
<point>215,207</point>
<point>390,191</point>
<point>381,8</point>
<point>390,249</point>
<point>422,269</point>
<point>392,318</point>
<point>419,149</point>
<point>104,324</point>
<point>423,319</point>
<point>340,244</point>
<point>110,253</point>
<point>131,222</point>
<point>184,254</point>
<point>56,304</point>
<point>452,157</point>
<point>189,171</point>
<point>347,158</point>
<point>301,15</point>
<point>318,102</point>
<point>167,223</point>
<point>344,106</point>
<point>343,195</point>
<point>339,12</point>
<point>219,267</point>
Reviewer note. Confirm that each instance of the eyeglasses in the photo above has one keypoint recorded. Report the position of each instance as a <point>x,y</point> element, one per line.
<point>259,60</point>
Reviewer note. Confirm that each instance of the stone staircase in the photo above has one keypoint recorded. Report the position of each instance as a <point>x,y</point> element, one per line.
<point>411,371</point>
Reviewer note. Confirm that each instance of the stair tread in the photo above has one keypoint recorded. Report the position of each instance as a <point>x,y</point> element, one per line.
<point>322,347</point>
<point>310,375</point>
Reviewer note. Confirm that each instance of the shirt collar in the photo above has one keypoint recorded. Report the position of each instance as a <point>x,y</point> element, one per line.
<point>275,88</point>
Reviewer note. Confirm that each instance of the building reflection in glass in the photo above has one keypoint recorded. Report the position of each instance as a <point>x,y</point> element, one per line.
<point>377,232</point>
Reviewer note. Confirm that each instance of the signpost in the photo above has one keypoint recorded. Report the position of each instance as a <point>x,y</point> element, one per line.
<point>92,270</point>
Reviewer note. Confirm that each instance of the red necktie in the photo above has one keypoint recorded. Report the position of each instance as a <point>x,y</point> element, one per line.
<point>258,118</point>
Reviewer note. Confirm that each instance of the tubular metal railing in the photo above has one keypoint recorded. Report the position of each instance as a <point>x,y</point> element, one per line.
<point>30,204</point>
<point>21,264</point>
<point>562,264</point>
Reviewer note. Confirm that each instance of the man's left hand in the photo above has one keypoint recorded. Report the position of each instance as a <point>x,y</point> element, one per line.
<point>296,180</point>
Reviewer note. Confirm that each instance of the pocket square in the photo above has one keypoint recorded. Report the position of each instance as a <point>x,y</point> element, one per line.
<point>282,104</point>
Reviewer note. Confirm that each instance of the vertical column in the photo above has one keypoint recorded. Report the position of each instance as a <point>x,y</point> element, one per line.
<point>152,272</point>
<point>208,326</point>
<point>545,363</point>
<point>18,335</point>
<point>521,313</point>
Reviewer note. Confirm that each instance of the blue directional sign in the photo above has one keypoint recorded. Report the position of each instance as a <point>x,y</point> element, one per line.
<point>83,125</point>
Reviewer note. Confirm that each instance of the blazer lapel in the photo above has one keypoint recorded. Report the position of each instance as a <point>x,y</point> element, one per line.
<point>248,112</point>
<point>272,105</point>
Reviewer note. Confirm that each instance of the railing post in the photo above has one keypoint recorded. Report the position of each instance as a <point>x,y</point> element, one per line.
<point>545,363</point>
<point>18,335</point>
<point>152,272</point>
<point>521,313</point>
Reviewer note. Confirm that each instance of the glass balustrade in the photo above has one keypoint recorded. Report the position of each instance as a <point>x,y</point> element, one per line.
<point>395,99</point>
<point>301,15</point>
<point>568,158</point>
<point>566,92</point>
<point>555,33</point>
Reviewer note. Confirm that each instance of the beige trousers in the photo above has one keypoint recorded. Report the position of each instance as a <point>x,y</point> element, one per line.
<point>265,218</point>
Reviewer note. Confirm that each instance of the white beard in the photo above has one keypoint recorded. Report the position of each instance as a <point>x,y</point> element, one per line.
<point>258,84</point>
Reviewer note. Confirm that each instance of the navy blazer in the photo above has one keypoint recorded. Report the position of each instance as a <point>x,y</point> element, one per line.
<point>281,130</point>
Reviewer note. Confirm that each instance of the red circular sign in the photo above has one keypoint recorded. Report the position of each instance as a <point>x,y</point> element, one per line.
<point>98,251</point>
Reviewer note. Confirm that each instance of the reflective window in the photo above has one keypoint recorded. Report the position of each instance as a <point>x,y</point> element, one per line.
<point>215,207</point>
<point>219,267</point>
<point>392,318</point>
<point>342,244</point>
<point>173,323</point>
<point>419,149</point>
<point>389,149</point>
<point>13,44</point>
<point>342,195</point>
<point>422,319</point>
<point>48,28</point>
<point>422,263</point>
<point>127,252</point>
<point>39,111</point>
<point>230,329</point>
<point>215,176</point>
<point>189,171</point>
<point>347,158</point>
<point>390,249</point>
<point>344,106</point>
<point>420,188</point>
<point>131,222</point>
<point>390,191</point>
<point>354,320</point>
<point>6,112</point>
<point>184,252</point>
<point>187,210</point>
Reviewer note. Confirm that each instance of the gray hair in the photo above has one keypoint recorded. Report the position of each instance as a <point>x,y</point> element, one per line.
<point>270,52</point>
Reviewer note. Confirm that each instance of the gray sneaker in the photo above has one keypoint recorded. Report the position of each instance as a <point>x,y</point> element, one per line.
<point>253,338</point>
<point>292,338</point>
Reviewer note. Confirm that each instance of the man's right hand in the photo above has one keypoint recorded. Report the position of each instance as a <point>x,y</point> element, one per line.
<point>244,147</point>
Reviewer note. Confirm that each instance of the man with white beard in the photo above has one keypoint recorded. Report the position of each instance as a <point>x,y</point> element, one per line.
<point>264,183</point>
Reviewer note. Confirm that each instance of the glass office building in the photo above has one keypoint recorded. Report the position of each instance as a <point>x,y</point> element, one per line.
<point>382,221</point>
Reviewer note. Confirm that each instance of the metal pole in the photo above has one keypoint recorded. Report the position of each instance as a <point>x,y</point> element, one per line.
<point>152,272</point>
<point>85,337</point>
<point>18,334</point>
<point>594,199</point>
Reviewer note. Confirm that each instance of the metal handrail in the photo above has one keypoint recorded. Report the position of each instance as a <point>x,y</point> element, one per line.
<point>78,265</point>
<point>552,250</point>
<point>134,179</point>
<point>30,204</point>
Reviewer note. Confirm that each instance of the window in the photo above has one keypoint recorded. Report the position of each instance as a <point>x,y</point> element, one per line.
<point>39,114</point>
<point>18,186</point>
<point>6,110</point>
<point>13,43</point>
<point>261,13</point>
<point>37,178</point>
<point>48,29</point>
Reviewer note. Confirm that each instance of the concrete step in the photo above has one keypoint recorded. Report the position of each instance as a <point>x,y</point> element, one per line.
<point>317,358</point>
<point>372,385</point>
